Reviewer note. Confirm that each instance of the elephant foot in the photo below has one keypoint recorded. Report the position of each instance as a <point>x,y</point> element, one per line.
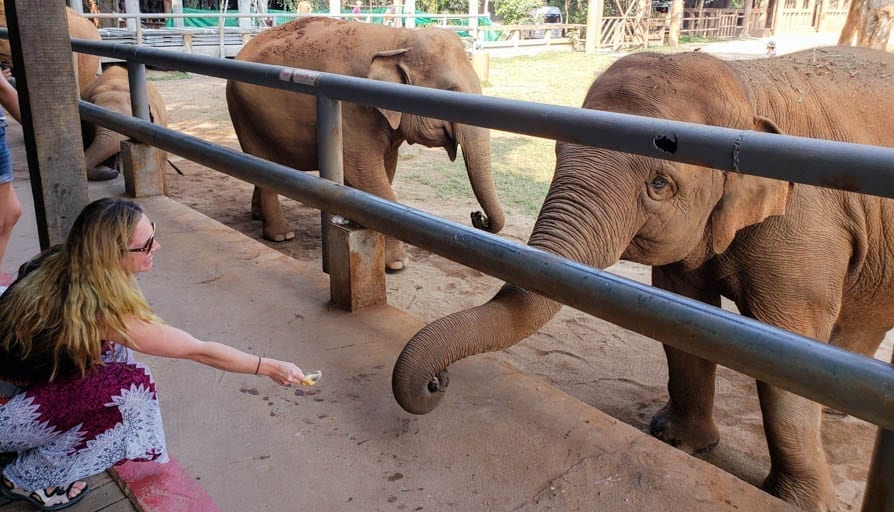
<point>278,232</point>
<point>396,258</point>
<point>691,436</point>
<point>814,493</point>
<point>102,173</point>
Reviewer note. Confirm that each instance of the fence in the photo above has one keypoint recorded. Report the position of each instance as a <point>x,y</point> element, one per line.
<point>855,384</point>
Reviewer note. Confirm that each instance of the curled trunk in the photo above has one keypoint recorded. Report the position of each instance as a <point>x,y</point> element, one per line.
<point>589,224</point>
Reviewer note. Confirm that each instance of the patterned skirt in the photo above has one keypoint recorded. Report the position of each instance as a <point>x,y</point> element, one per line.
<point>71,429</point>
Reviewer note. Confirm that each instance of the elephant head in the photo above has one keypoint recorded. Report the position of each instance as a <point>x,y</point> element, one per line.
<point>101,145</point>
<point>435,58</point>
<point>603,206</point>
<point>86,66</point>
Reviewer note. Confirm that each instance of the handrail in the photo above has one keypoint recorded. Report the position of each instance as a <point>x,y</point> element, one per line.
<point>847,166</point>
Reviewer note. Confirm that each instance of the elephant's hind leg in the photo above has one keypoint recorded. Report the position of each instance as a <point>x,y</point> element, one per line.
<point>799,473</point>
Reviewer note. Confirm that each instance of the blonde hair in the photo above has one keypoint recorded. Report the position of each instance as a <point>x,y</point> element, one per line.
<point>59,313</point>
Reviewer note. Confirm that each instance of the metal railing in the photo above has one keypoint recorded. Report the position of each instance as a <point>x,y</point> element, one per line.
<point>855,384</point>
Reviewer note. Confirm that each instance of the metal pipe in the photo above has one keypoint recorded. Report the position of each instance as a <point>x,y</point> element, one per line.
<point>879,494</point>
<point>853,167</point>
<point>139,98</point>
<point>850,382</point>
<point>330,158</point>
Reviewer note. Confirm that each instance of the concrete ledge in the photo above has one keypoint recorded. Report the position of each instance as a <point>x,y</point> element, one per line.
<point>154,487</point>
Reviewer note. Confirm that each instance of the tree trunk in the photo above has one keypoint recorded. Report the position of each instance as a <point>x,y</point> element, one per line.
<point>868,24</point>
<point>676,22</point>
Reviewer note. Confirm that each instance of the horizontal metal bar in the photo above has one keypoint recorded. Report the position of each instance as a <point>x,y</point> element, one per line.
<point>854,167</point>
<point>858,385</point>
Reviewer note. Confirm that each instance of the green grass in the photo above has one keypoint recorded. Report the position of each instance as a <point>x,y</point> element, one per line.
<point>167,75</point>
<point>522,165</point>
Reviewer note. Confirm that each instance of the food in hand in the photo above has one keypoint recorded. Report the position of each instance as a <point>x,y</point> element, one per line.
<point>311,378</point>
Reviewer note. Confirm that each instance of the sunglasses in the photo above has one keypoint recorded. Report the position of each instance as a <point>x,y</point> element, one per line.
<point>149,243</point>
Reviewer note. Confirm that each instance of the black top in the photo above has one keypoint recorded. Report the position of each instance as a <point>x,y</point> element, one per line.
<point>39,364</point>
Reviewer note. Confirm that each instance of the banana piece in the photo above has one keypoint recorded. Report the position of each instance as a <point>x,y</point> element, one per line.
<point>311,378</point>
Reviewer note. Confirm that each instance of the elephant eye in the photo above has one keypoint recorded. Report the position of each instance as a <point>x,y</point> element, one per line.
<point>658,183</point>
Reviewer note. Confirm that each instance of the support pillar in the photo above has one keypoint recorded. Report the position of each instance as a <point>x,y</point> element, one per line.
<point>41,55</point>
<point>244,8</point>
<point>594,26</point>
<point>143,168</point>
<point>132,7</point>
<point>356,266</point>
<point>177,8</point>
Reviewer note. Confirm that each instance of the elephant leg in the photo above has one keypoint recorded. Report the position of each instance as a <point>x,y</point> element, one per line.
<point>687,419</point>
<point>395,253</point>
<point>256,213</point>
<point>799,473</point>
<point>276,229</point>
<point>376,180</point>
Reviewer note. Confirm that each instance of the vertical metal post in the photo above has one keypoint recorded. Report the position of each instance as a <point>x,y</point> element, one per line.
<point>139,100</point>
<point>879,494</point>
<point>330,155</point>
<point>177,8</point>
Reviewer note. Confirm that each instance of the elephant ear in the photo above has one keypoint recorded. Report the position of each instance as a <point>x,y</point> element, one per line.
<point>748,200</point>
<point>388,66</point>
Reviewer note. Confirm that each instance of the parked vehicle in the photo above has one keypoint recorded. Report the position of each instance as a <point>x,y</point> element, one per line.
<point>542,15</point>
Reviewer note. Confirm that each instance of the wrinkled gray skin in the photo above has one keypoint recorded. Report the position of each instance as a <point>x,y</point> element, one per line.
<point>281,126</point>
<point>101,145</point>
<point>811,260</point>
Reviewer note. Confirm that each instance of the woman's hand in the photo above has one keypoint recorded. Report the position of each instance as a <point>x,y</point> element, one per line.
<point>281,372</point>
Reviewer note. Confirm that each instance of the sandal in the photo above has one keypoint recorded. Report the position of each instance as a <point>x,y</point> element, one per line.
<point>53,498</point>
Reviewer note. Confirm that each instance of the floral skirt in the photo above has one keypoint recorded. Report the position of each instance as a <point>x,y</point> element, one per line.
<point>71,429</point>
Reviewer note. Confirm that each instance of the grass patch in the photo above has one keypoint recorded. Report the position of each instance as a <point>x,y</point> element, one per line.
<point>160,76</point>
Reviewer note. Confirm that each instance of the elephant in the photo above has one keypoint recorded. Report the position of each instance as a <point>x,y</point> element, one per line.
<point>807,259</point>
<point>281,126</point>
<point>101,145</point>
<point>87,66</point>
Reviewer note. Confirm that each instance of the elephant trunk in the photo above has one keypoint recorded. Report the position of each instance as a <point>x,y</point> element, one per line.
<point>105,144</point>
<point>420,376</point>
<point>591,225</point>
<point>475,143</point>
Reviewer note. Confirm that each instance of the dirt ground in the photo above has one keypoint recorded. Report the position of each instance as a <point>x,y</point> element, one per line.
<point>610,368</point>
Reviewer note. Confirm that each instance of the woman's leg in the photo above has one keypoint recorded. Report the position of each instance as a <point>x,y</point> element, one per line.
<point>75,428</point>
<point>10,208</point>
<point>10,212</point>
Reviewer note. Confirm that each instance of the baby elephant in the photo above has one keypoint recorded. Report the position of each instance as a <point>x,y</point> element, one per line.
<point>101,145</point>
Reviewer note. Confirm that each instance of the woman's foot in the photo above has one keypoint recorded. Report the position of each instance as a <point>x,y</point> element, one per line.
<point>51,498</point>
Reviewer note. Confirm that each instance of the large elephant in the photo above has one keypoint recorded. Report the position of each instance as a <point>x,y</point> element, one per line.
<point>281,126</point>
<point>79,27</point>
<point>101,145</point>
<point>811,260</point>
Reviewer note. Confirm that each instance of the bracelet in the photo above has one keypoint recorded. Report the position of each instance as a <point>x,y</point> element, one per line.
<point>259,366</point>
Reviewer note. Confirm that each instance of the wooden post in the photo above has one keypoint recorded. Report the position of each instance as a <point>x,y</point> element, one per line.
<point>132,7</point>
<point>594,26</point>
<point>177,8</point>
<point>746,19</point>
<point>356,263</point>
<point>41,55</point>
<point>143,169</point>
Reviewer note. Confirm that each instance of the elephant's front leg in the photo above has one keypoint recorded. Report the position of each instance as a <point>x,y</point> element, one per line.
<point>687,420</point>
<point>265,206</point>
<point>799,473</point>
<point>376,179</point>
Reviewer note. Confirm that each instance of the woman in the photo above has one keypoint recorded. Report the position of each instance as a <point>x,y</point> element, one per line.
<point>10,208</point>
<point>77,402</point>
